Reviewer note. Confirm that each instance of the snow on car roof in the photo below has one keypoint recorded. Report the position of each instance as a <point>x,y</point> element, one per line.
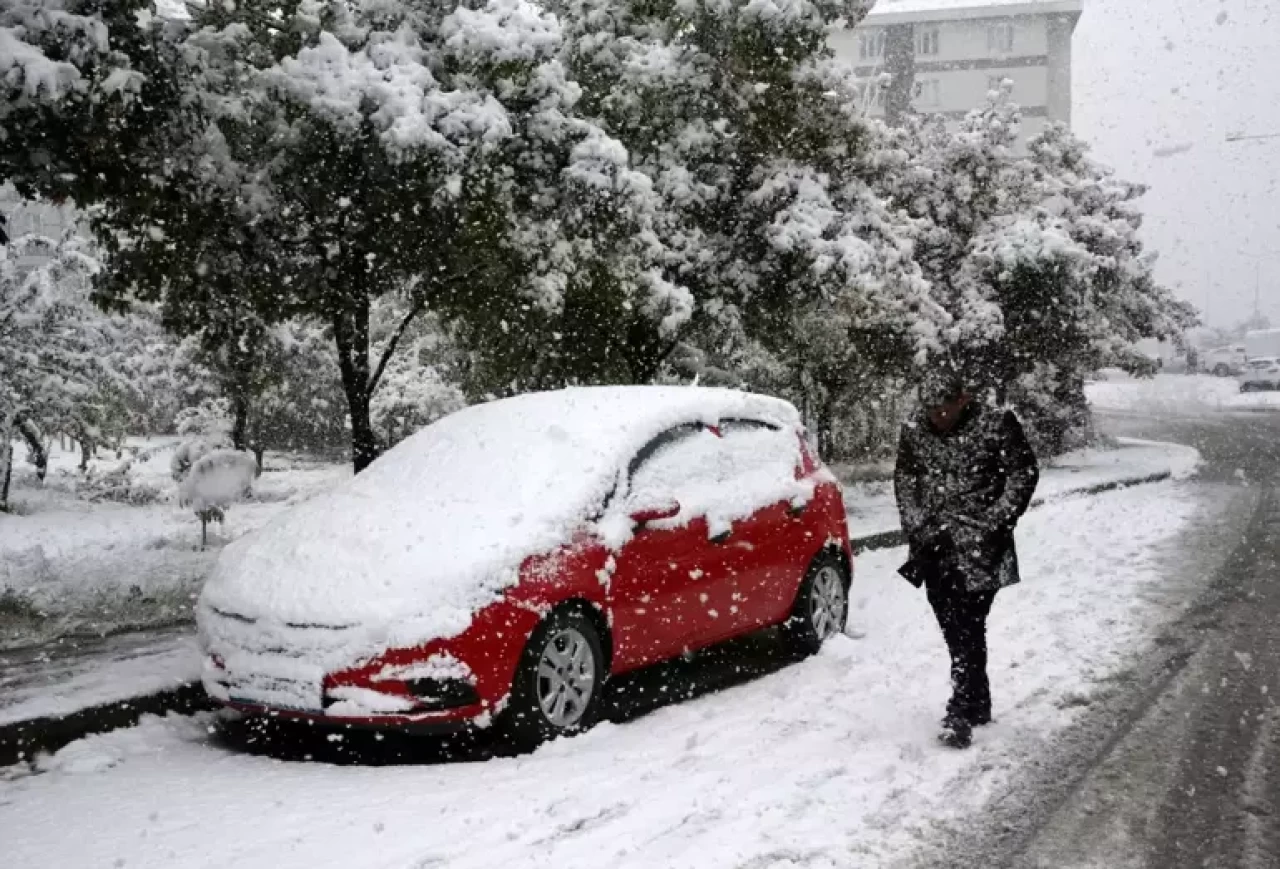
<point>438,526</point>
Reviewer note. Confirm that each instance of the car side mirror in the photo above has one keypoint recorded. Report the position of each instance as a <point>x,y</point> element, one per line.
<point>653,514</point>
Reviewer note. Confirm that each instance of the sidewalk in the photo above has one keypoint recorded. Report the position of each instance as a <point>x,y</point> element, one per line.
<point>51,695</point>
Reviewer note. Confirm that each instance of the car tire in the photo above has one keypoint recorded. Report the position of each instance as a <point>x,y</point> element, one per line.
<point>821,608</point>
<point>553,665</point>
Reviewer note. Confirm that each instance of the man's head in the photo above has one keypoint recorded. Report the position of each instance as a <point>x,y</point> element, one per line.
<point>942,387</point>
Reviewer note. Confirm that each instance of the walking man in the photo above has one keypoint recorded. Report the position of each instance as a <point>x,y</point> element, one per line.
<point>965,475</point>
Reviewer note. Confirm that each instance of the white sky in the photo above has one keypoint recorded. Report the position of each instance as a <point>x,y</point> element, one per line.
<point>1159,85</point>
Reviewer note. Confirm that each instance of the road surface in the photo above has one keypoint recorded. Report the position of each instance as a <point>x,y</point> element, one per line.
<point>1181,766</point>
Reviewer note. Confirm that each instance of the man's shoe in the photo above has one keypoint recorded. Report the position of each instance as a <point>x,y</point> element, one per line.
<point>956,732</point>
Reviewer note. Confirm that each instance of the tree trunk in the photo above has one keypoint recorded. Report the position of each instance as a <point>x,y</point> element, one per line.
<point>6,468</point>
<point>86,452</point>
<point>6,458</point>
<point>240,419</point>
<point>258,450</point>
<point>351,334</point>
<point>39,455</point>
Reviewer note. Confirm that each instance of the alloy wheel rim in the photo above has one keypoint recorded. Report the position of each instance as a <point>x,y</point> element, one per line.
<point>827,603</point>
<point>566,677</point>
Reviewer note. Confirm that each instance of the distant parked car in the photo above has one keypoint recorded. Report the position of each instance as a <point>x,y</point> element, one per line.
<point>1261,374</point>
<point>1225,361</point>
<point>500,565</point>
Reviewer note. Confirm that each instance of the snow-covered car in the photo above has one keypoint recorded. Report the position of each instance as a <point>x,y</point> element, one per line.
<point>1225,361</point>
<point>498,566</point>
<point>1261,374</point>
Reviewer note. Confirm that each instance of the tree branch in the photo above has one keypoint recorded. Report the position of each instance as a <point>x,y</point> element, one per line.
<point>390,349</point>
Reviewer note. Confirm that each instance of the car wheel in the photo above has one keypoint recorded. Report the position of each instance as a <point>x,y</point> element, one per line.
<point>821,608</point>
<point>1246,387</point>
<point>558,683</point>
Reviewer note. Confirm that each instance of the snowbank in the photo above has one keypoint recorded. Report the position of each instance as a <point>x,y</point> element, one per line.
<point>1167,394</point>
<point>829,763</point>
<point>438,527</point>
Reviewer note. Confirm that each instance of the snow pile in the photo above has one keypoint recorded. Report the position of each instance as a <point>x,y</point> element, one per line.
<point>1164,394</point>
<point>217,480</point>
<point>102,751</point>
<point>438,527</point>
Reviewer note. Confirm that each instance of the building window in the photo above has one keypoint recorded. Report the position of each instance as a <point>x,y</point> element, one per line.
<point>928,93</point>
<point>928,41</point>
<point>871,45</point>
<point>872,95</point>
<point>1000,38</point>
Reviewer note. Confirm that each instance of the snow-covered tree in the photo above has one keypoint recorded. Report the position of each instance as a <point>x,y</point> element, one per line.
<point>1036,259</point>
<point>56,349</point>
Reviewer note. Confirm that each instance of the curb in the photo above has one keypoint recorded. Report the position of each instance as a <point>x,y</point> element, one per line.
<point>21,741</point>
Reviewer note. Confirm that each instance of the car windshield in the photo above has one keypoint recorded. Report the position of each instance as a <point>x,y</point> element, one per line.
<point>962,318</point>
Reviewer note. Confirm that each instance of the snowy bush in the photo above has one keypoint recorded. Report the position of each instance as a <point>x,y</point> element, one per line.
<point>185,455</point>
<point>118,485</point>
<point>216,481</point>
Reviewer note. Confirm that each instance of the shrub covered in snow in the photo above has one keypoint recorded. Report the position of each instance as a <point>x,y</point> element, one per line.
<point>215,482</point>
<point>118,485</point>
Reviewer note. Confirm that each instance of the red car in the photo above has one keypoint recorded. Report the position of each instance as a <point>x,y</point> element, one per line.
<point>504,562</point>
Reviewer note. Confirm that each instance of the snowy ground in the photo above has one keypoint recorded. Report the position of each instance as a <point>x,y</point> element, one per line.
<point>827,763</point>
<point>69,565</point>
<point>42,682</point>
<point>1177,395</point>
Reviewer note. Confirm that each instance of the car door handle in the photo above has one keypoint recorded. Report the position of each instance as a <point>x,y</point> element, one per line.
<point>721,537</point>
<point>798,509</point>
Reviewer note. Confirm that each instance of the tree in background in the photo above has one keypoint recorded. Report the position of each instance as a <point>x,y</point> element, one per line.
<point>1036,259</point>
<point>56,349</point>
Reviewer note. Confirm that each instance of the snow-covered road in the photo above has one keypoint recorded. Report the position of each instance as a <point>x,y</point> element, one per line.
<point>831,762</point>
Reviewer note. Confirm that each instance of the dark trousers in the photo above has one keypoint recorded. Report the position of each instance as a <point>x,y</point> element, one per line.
<point>962,615</point>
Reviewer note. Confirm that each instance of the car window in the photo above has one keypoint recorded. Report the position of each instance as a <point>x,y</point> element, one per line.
<point>724,473</point>
<point>675,465</point>
<point>752,447</point>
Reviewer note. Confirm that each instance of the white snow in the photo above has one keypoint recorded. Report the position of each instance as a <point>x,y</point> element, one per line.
<point>120,669</point>
<point>438,527</point>
<point>828,763</point>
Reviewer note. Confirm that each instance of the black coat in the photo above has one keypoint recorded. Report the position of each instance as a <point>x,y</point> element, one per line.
<point>960,494</point>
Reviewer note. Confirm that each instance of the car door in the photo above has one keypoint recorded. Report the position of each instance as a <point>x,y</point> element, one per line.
<point>667,586</point>
<point>767,545</point>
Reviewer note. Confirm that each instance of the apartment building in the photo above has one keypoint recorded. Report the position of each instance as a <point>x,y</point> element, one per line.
<point>944,56</point>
